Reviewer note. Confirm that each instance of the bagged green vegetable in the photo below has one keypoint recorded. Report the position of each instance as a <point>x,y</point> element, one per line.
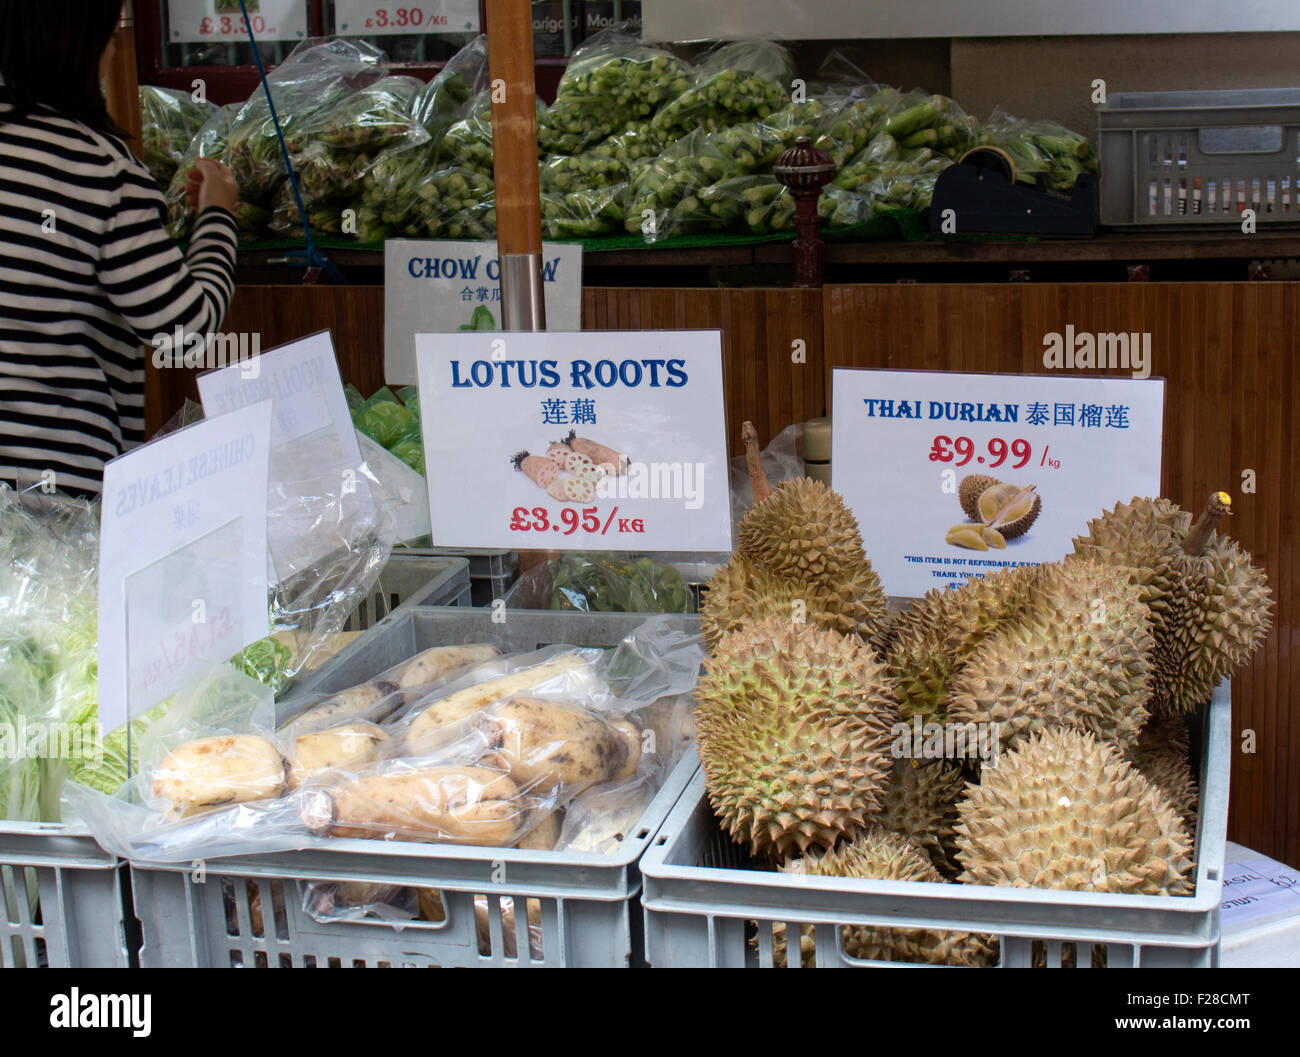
<point>1041,148</point>
<point>737,82</point>
<point>169,120</point>
<point>664,191</point>
<point>609,583</point>
<point>583,213</point>
<point>442,102</point>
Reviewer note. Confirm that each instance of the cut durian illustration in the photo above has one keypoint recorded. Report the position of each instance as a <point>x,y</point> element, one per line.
<point>1002,511</point>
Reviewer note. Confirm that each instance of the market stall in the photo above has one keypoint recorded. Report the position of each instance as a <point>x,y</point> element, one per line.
<point>593,648</point>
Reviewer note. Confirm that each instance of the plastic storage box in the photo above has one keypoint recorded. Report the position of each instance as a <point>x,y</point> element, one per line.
<point>491,571</point>
<point>706,904</point>
<point>413,579</point>
<point>248,910</point>
<point>1192,159</point>
<point>61,904</point>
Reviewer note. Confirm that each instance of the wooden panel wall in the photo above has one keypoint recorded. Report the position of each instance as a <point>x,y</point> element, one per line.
<point>764,382</point>
<point>1228,352</point>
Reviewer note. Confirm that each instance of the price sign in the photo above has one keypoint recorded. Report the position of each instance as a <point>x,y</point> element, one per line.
<point>183,558</point>
<point>221,21</point>
<point>456,286</point>
<point>929,461</point>
<point>372,18</point>
<point>575,441</point>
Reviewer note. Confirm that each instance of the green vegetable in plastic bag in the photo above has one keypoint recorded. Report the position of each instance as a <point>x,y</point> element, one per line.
<point>607,583</point>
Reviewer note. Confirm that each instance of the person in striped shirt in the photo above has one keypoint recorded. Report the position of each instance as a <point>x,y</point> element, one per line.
<point>88,273</point>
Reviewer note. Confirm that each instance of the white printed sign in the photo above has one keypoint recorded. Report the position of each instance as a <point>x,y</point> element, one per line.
<point>455,287</point>
<point>221,21</point>
<point>610,441</point>
<point>315,459</point>
<point>903,442</point>
<point>1259,888</point>
<point>182,558</point>
<point>373,18</point>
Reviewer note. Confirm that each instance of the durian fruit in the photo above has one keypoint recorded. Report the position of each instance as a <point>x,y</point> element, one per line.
<point>742,593</point>
<point>1210,606</point>
<point>1161,754</point>
<point>921,805</point>
<point>1009,508</point>
<point>799,557</point>
<point>883,856</point>
<point>1026,647</point>
<point>1077,654</point>
<point>1064,810</point>
<point>793,726</point>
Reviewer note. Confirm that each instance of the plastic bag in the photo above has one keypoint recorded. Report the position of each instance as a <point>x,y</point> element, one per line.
<point>443,101</point>
<point>781,462</point>
<point>578,172</point>
<point>736,82</point>
<point>600,819</point>
<point>604,583</point>
<point>611,80</point>
<point>1041,147</point>
<point>366,120</point>
<point>663,196</point>
<point>584,213</point>
<point>169,120</point>
<point>359,900</point>
<point>208,142</point>
<point>48,646</point>
<point>315,78</point>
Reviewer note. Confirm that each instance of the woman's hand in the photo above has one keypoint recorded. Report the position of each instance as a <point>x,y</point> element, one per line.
<point>210,183</point>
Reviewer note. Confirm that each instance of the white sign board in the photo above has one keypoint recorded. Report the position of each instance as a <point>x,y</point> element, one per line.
<point>374,18</point>
<point>1258,888</point>
<point>668,20</point>
<point>314,453</point>
<point>903,441</point>
<point>182,558</point>
<point>453,287</point>
<point>645,463</point>
<point>221,21</point>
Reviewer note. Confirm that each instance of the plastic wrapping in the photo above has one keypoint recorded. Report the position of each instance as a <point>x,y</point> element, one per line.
<point>209,142</point>
<point>48,647</point>
<point>442,102</point>
<point>781,462</point>
<point>600,819</point>
<point>663,196</point>
<point>482,756</point>
<point>585,212</point>
<point>612,80</point>
<point>1041,148</point>
<point>736,82</point>
<point>169,120</point>
<point>603,583</point>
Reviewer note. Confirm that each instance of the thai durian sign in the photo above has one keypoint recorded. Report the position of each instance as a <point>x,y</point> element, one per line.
<point>597,441</point>
<point>957,475</point>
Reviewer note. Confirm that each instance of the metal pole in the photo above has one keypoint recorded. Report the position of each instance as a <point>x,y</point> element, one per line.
<point>509,27</point>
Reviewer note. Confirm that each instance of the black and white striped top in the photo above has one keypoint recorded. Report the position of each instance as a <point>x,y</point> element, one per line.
<point>88,275</point>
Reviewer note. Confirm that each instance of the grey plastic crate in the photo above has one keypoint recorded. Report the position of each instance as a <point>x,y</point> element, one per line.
<point>585,905</point>
<point>491,572</point>
<point>704,899</point>
<point>61,903</point>
<point>1192,159</point>
<point>413,579</point>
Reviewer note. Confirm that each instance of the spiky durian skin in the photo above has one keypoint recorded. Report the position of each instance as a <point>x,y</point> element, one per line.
<point>1077,654</point>
<point>1209,611</point>
<point>1066,811</point>
<point>1161,754</point>
<point>802,530</point>
<point>969,491</point>
<point>742,593</point>
<point>883,856</point>
<point>921,804</point>
<point>793,726</point>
